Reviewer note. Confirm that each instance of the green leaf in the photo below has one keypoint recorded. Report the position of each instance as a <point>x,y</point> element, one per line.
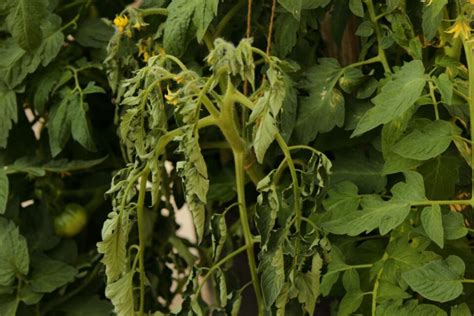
<point>427,142</point>
<point>432,221</point>
<point>390,291</point>
<point>409,308</point>
<point>113,245</point>
<point>28,296</point>
<point>24,22</point>
<point>439,280</point>
<point>324,108</point>
<point>234,302</point>
<point>48,274</point>
<point>351,79</point>
<point>218,234</point>
<point>402,256</point>
<point>37,168</point>
<point>59,126</point>
<point>45,85</point>
<point>445,87</point>
<point>286,30</point>
<point>453,224</point>
<point>16,63</point>
<point>120,293</point>
<point>350,302</point>
<point>364,170</point>
<point>94,32</point>
<point>377,213</point>
<point>8,113</point>
<point>313,4</point>
<point>356,7</point>
<point>268,205</point>
<point>86,306</point>
<point>308,285</point>
<point>365,29</point>
<point>266,110</point>
<point>432,18</point>
<point>80,126</point>
<point>14,257</point>
<point>69,118</point>
<point>8,305</point>
<point>460,310</point>
<point>221,287</point>
<point>390,103</point>
<point>272,271</point>
<point>292,6</point>
<point>175,38</point>
<point>205,11</point>
<point>193,170</point>
<point>289,108</point>
<point>441,175</point>
<point>335,267</point>
<point>3,191</point>
<point>342,197</point>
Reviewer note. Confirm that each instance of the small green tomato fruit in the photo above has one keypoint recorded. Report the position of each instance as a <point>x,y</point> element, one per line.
<point>70,222</point>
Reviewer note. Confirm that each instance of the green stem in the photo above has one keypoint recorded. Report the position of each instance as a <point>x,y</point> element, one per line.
<point>378,33</point>
<point>226,120</point>
<point>470,65</point>
<point>218,264</point>
<point>442,202</point>
<point>296,188</point>
<point>376,286</point>
<point>244,221</point>
<point>433,98</point>
<point>468,281</point>
<point>141,237</point>
<point>210,107</point>
<point>372,60</point>
<point>72,22</point>
<point>164,140</point>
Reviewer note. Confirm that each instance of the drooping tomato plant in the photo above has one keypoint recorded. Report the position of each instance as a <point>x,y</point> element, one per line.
<point>322,147</point>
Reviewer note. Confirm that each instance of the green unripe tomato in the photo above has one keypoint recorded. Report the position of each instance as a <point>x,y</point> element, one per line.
<point>70,222</point>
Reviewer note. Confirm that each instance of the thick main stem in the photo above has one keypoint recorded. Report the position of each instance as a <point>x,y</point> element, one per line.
<point>240,184</point>
<point>227,125</point>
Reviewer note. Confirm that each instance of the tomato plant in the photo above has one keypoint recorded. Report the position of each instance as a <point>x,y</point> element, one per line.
<point>322,147</point>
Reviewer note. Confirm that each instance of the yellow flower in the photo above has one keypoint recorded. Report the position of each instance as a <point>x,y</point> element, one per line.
<point>471,1</point>
<point>138,25</point>
<point>179,78</point>
<point>171,96</point>
<point>121,22</point>
<point>460,27</point>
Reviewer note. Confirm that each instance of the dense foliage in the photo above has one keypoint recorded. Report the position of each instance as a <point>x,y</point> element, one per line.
<point>326,144</point>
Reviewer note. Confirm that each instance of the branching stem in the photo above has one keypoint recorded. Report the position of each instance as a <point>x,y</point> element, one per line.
<point>141,237</point>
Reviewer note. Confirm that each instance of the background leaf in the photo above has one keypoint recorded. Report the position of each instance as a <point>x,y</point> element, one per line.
<point>323,109</point>
<point>24,22</point>
<point>390,103</point>
<point>439,280</point>
<point>4,189</point>
<point>432,221</point>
